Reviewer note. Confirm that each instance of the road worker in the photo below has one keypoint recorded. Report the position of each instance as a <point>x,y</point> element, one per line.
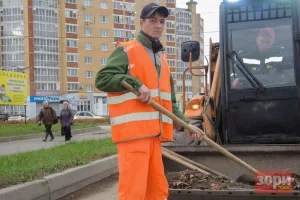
<point>137,128</point>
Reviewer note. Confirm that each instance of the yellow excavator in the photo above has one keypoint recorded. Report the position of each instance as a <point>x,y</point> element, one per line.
<point>253,75</point>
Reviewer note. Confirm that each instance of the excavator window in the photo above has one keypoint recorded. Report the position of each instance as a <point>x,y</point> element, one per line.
<point>262,38</point>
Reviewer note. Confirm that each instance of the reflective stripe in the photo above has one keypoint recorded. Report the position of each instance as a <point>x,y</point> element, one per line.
<point>251,61</point>
<point>130,96</point>
<point>134,117</point>
<point>274,59</point>
<point>138,117</point>
<point>127,96</point>
<point>165,96</point>
<point>167,119</point>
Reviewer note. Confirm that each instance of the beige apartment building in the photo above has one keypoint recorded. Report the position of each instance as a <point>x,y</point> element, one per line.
<point>61,45</point>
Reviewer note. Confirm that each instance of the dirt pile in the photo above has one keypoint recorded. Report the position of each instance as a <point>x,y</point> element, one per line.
<point>189,179</point>
<point>296,181</point>
<point>196,180</point>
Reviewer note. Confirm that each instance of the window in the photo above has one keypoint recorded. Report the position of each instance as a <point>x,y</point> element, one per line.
<point>87,31</point>
<point>104,47</point>
<point>88,74</point>
<point>88,46</point>
<point>45,59</point>
<point>87,2</point>
<point>103,5</point>
<point>171,24</point>
<point>118,5</point>
<point>118,19</point>
<point>170,38</point>
<point>170,1</point>
<point>104,33</point>
<point>171,50</point>
<point>40,44</point>
<point>46,86</point>
<point>103,61</point>
<point>71,28</point>
<point>41,14</point>
<point>171,11</point>
<point>72,43</point>
<point>171,63</point>
<point>157,1</point>
<point>72,86</point>
<point>87,17</point>
<point>72,72</point>
<point>119,33</point>
<point>43,29</point>
<point>104,19</point>
<point>46,75</point>
<point>70,13</point>
<point>89,88</point>
<point>72,57</point>
<point>88,60</point>
<point>70,1</point>
<point>115,45</point>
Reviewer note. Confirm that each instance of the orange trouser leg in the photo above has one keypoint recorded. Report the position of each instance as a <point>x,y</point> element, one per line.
<point>141,172</point>
<point>157,185</point>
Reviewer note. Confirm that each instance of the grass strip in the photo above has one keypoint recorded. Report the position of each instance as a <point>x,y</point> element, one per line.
<point>28,166</point>
<point>8,130</point>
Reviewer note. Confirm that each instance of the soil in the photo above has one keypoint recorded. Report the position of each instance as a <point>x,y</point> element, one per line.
<point>189,179</point>
<point>296,182</point>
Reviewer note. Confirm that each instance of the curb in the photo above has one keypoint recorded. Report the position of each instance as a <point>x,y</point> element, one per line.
<point>41,135</point>
<point>61,184</point>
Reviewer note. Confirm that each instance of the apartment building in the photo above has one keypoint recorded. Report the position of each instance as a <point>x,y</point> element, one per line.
<point>62,44</point>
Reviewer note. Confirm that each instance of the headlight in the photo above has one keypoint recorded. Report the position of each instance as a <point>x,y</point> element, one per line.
<point>195,107</point>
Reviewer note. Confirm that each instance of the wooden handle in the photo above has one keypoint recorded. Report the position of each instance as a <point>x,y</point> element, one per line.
<point>182,162</point>
<point>185,159</point>
<point>188,127</point>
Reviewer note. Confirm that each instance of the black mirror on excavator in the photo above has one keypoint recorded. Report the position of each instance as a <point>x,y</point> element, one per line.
<point>190,47</point>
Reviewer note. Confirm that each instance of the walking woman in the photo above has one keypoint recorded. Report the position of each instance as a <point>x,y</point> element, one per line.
<point>66,118</point>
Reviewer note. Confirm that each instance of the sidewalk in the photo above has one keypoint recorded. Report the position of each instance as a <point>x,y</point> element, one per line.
<point>13,147</point>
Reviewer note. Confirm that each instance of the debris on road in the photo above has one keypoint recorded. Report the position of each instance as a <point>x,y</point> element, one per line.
<point>190,179</point>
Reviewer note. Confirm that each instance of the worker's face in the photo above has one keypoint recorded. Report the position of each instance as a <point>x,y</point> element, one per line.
<point>265,42</point>
<point>153,26</point>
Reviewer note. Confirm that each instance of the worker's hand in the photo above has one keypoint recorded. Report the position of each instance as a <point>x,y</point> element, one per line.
<point>197,134</point>
<point>145,94</point>
<point>236,83</point>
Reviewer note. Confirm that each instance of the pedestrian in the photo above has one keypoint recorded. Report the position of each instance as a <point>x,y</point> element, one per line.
<point>66,119</point>
<point>137,128</point>
<point>47,116</point>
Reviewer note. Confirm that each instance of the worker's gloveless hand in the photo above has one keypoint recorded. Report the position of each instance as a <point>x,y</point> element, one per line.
<point>145,94</point>
<point>197,134</point>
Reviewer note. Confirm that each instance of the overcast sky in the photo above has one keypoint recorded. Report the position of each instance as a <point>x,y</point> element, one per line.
<point>209,10</point>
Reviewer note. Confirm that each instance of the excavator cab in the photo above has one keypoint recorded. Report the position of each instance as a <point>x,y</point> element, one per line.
<point>259,73</point>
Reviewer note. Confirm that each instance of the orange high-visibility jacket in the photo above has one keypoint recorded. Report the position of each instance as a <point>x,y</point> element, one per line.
<point>132,119</point>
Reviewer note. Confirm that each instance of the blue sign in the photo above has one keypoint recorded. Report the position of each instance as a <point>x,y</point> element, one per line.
<point>39,99</point>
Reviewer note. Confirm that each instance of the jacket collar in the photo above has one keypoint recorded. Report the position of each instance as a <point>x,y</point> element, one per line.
<point>144,40</point>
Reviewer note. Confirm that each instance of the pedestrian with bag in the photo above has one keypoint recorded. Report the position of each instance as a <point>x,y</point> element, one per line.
<point>66,119</point>
<point>47,116</point>
<point>137,128</point>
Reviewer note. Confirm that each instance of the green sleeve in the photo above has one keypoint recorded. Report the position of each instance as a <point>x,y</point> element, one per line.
<point>176,111</point>
<point>109,78</point>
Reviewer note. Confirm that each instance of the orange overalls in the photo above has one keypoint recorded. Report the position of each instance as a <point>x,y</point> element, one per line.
<point>138,129</point>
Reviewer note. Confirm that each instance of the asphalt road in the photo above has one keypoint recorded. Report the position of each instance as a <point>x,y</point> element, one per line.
<point>8,148</point>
